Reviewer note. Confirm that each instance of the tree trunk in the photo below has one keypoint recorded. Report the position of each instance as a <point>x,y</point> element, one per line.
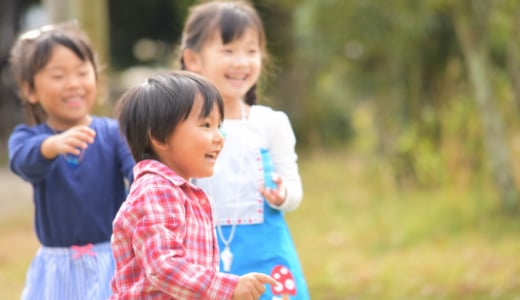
<point>11,112</point>
<point>60,10</point>
<point>513,59</point>
<point>93,16</point>
<point>474,50</point>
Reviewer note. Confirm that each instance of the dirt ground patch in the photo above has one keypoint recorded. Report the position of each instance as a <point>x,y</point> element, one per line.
<point>15,195</point>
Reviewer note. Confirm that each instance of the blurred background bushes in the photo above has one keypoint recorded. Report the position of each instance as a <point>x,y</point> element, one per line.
<point>427,89</point>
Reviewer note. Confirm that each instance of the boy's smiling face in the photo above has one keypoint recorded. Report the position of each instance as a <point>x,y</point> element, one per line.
<point>193,147</point>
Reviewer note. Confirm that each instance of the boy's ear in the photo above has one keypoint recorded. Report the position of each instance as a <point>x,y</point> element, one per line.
<point>157,145</point>
<point>28,93</point>
<point>192,60</point>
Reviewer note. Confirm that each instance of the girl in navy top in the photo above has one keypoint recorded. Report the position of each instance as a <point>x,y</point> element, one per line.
<point>78,164</point>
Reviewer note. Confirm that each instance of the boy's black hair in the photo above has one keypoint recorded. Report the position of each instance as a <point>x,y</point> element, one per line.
<point>155,108</point>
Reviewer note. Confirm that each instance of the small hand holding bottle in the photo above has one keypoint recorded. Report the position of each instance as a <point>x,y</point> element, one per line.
<point>71,141</point>
<point>276,196</point>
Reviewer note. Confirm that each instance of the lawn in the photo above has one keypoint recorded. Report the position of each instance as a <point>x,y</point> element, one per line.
<point>359,237</point>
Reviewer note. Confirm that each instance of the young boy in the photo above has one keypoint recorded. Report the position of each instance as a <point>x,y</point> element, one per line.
<point>164,239</point>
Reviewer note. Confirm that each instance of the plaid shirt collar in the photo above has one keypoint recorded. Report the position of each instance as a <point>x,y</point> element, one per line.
<point>158,168</point>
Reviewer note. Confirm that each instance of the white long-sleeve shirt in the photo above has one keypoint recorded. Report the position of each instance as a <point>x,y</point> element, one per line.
<point>234,186</point>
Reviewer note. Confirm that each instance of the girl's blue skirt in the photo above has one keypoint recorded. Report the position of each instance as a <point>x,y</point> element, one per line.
<point>79,272</point>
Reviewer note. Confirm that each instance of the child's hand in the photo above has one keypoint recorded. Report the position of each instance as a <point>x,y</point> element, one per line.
<point>251,286</point>
<point>71,141</point>
<point>275,197</point>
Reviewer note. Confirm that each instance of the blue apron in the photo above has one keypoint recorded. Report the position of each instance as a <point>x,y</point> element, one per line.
<point>253,237</point>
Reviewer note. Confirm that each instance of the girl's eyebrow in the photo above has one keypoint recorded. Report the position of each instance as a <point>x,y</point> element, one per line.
<point>51,68</point>
<point>59,66</point>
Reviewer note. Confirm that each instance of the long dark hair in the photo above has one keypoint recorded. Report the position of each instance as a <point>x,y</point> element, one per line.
<point>231,19</point>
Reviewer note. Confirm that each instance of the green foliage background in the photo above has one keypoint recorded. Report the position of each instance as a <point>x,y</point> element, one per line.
<point>406,118</point>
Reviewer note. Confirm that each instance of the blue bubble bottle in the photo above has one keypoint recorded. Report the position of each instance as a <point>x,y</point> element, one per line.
<point>267,165</point>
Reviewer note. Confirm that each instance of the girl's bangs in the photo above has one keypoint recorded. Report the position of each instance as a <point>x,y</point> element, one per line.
<point>233,25</point>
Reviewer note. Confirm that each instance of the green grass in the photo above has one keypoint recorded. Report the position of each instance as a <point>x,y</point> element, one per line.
<point>18,246</point>
<point>360,237</point>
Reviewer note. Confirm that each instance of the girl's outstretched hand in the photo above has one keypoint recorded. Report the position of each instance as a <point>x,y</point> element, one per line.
<point>71,141</point>
<point>276,196</point>
<point>251,286</point>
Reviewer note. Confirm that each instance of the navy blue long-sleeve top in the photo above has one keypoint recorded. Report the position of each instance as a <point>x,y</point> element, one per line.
<point>74,204</point>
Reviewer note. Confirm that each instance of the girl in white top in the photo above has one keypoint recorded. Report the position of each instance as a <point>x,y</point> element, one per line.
<point>225,42</point>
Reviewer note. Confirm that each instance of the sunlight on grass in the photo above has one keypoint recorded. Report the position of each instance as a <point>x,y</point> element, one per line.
<point>359,238</point>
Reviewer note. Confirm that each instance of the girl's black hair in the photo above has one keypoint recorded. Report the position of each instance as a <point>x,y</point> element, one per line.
<point>231,19</point>
<point>31,53</point>
<point>155,108</point>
